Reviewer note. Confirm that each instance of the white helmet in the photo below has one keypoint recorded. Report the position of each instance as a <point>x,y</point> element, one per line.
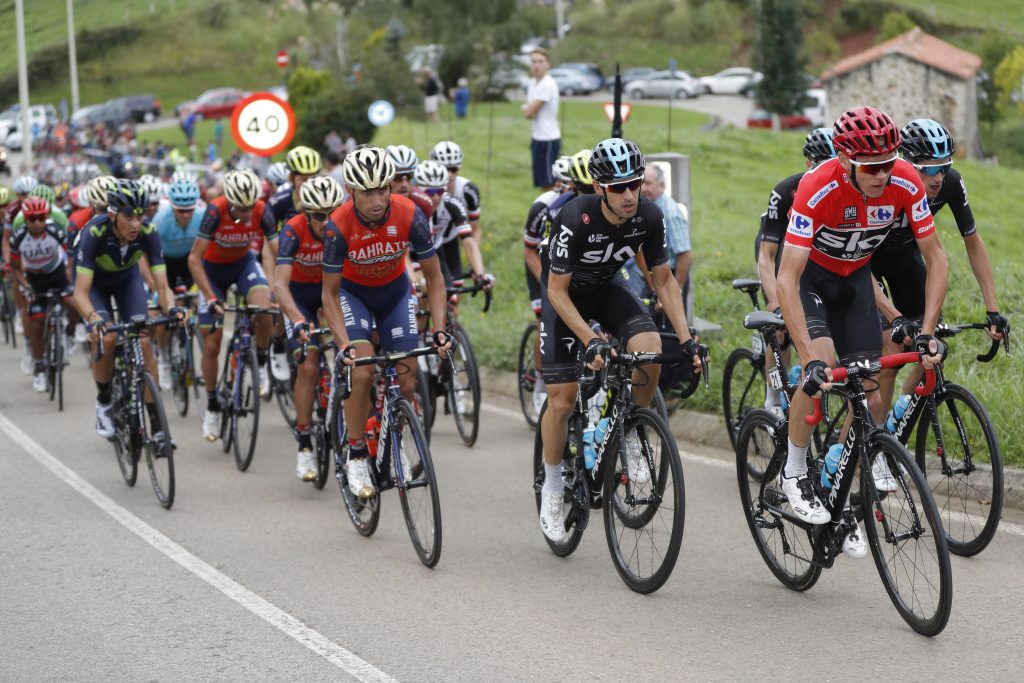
<point>277,173</point>
<point>560,169</point>
<point>96,190</point>
<point>448,153</point>
<point>404,157</point>
<point>242,188</point>
<point>25,184</point>
<point>431,174</point>
<point>368,168</point>
<point>184,176</point>
<point>321,193</point>
<point>154,187</point>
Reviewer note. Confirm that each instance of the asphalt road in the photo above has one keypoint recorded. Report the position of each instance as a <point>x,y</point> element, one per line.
<point>259,576</point>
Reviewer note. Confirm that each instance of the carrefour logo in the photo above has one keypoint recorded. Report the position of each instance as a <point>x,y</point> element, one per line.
<point>921,210</point>
<point>880,215</point>
<point>800,225</point>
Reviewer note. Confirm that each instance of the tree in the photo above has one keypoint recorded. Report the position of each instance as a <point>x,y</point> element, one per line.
<point>777,56</point>
<point>894,24</point>
<point>1009,78</point>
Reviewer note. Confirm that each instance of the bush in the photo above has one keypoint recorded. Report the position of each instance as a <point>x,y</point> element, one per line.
<point>895,24</point>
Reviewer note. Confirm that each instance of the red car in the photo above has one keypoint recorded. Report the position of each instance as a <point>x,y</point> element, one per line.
<point>213,104</point>
<point>760,118</point>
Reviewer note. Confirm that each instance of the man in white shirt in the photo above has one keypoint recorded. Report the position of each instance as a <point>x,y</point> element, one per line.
<point>541,108</point>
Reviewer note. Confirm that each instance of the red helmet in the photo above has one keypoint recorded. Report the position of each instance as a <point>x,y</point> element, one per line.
<point>35,206</point>
<point>865,130</point>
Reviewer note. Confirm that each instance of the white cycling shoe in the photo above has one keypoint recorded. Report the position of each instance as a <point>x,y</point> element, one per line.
<point>279,367</point>
<point>305,465</point>
<point>104,420</point>
<point>359,482</point>
<point>854,545</point>
<point>884,479</point>
<point>211,425</point>
<point>39,383</point>
<point>801,498</point>
<point>638,471</point>
<point>552,515</point>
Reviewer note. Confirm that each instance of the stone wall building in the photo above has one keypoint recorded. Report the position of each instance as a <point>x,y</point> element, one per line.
<point>911,76</point>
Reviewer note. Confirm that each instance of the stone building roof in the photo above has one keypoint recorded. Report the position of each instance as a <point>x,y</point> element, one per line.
<point>918,46</point>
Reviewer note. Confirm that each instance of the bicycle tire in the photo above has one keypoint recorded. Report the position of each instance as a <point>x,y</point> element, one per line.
<point>464,386</point>
<point>195,372</point>
<point>322,450</point>
<point>245,413</point>
<point>159,454</point>
<point>364,514</point>
<point>899,514</point>
<point>632,562</point>
<point>179,370</point>
<point>746,369</point>
<point>123,428</point>
<point>526,373</point>
<point>285,398</point>
<point>659,406</point>
<point>50,353</point>
<point>59,370</point>
<point>574,534</point>
<point>426,536</point>
<point>970,440</point>
<point>422,405</point>
<point>787,549</point>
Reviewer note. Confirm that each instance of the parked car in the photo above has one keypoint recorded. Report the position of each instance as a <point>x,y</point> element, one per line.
<point>591,74</point>
<point>760,118</point>
<point>4,168</point>
<point>628,76</point>
<point>737,80</point>
<point>814,106</point>
<point>509,74</point>
<point>217,103</point>
<point>139,108</point>
<point>87,115</point>
<point>667,84</point>
<point>570,82</point>
<point>38,114</point>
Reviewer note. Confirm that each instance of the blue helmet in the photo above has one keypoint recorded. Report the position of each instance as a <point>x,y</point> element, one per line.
<point>818,144</point>
<point>616,160</point>
<point>184,194</point>
<point>926,139</point>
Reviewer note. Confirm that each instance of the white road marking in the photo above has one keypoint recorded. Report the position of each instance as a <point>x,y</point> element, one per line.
<point>279,619</point>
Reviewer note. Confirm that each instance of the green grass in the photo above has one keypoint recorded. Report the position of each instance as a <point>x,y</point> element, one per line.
<point>733,172</point>
<point>983,14</point>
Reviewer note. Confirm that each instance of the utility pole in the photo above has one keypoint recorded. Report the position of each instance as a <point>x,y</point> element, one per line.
<point>72,56</point>
<point>26,132</point>
<point>560,18</point>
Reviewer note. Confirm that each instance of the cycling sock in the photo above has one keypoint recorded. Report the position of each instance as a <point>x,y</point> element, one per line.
<point>154,417</point>
<point>277,343</point>
<point>796,462</point>
<point>553,478</point>
<point>357,452</point>
<point>262,356</point>
<point>103,393</point>
<point>357,443</point>
<point>303,435</point>
<point>40,366</point>
<point>212,404</point>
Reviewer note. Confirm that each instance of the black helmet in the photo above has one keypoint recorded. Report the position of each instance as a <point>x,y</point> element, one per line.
<point>818,145</point>
<point>616,160</point>
<point>128,196</point>
<point>926,139</point>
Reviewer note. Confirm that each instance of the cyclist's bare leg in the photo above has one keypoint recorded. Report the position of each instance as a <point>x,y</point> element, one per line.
<point>35,335</point>
<point>357,406</point>
<point>263,324</point>
<point>305,380</point>
<point>645,378</point>
<point>555,423</point>
<point>149,359</point>
<point>211,352</point>
<point>802,405</point>
<point>887,378</point>
<point>407,378</point>
<point>103,369</point>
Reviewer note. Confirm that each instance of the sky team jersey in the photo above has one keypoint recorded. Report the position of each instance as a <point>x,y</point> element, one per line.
<point>841,227</point>
<point>229,241</point>
<point>954,193</point>
<point>539,226</point>
<point>449,221</point>
<point>282,205</point>
<point>586,246</point>
<point>42,254</point>
<point>468,193</point>
<point>775,219</point>
<point>375,256</point>
<point>98,249</point>
<point>299,248</point>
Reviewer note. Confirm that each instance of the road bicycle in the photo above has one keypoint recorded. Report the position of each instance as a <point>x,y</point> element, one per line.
<point>639,487</point>
<point>321,434</point>
<point>400,458</point>
<point>54,345</point>
<point>528,372</point>
<point>136,430</point>
<point>904,528</point>
<point>8,311</point>
<point>187,383</point>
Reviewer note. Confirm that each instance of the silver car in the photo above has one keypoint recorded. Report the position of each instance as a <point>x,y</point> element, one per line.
<point>665,84</point>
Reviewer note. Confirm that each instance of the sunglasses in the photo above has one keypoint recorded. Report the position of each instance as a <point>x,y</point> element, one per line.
<point>619,188</point>
<point>875,167</point>
<point>403,177</point>
<point>434,191</point>
<point>933,170</point>
<point>243,209</point>
<point>36,217</point>
<point>452,169</point>
<point>319,216</point>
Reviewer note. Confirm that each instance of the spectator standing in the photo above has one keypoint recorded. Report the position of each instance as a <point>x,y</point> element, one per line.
<point>431,93</point>
<point>460,96</point>
<point>333,142</point>
<point>218,133</point>
<point>541,108</point>
<point>211,152</point>
<point>332,165</point>
<point>677,234</point>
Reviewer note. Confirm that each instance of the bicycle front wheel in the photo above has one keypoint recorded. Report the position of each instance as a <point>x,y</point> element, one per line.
<point>245,415</point>
<point>123,428</point>
<point>576,516</point>
<point>743,388</point>
<point>179,371</point>
<point>422,406</point>
<point>644,502</point>
<point>157,444</point>
<point>364,514</point>
<point>528,374</point>
<point>417,491</point>
<point>285,400</point>
<point>464,389</point>
<point>907,540</point>
<point>322,449</point>
<point>966,473</point>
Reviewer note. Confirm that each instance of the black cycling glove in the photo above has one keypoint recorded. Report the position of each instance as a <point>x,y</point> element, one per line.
<point>921,344</point>
<point>994,319</point>
<point>595,347</point>
<point>903,327</point>
<point>814,377</point>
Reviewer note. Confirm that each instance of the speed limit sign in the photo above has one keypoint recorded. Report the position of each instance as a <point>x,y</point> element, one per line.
<point>262,124</point>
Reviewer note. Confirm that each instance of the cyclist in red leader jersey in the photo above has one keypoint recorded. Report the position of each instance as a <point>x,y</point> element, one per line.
<point>842,212</point>
<point>365,282</point>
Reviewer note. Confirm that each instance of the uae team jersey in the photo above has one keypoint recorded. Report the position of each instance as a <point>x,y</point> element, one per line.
<point>229,240</point>
<point>42,254</point>
<point>841,227</point>
<point>375,256</point>
<point>299,248</point>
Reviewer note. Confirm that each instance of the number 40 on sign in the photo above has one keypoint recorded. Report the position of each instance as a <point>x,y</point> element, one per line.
<point>262,124</point>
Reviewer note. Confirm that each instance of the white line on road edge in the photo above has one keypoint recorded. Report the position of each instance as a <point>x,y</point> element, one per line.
<point>282,621</point>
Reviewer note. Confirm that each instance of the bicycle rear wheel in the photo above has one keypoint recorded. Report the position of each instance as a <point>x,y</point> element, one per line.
<point>423,408</point>
<point>123,429</point>
<point>907,540</point>
<point>575,516</point>
<point>421,504</point>
<point>245,414</point>
<point>322,449</point>
<point>967,478</point>
<point>194,372</point>
<point>743,388</point>
<point>527,374</point>
<point>786,548</point>
<point>644,532</point>
<point>364,514</point>
<point>464,389</point>
<point>285,400</point>
<point>179,370</point>
<point>157,444</point>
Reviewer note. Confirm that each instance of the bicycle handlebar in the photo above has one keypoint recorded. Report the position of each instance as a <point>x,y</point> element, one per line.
<point>389,357</point>
<point>132,326</point>
<point>304,350</point>
<point>944,331</point>
<point>473,289</point>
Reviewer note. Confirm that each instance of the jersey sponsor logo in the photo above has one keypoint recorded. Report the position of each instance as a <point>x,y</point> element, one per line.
<point>849,245</point>
<point>773,206</point>
<point>569,341</point>
<point>904,183</point>
<point>585,218</point>
<point>816,299</point>
<point>800,225</point>
<point>599,256</point>
<point>881,215</point>
<point>392,231</point>
<point>377,252</point>
<point>597,237</point>
<point>921,210</point>
<point>562,241</point>
<point>822,193</point>
<point>963,186</point>
<point>850,213</point>
<point>923,230</point>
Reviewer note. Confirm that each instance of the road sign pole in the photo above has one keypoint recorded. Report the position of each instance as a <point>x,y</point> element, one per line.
<point>617,117</point>
<point>26,132</point>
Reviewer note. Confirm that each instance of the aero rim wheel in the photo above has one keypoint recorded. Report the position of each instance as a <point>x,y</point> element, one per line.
<point>575,517</point>
<point>743,388</point>
<point>364,514</point>
<point>423,407</point>
<point>157,446</point>
<point>322,450</point>
<point>421,504</point>
<point>464,390</point>
<point>246,415</point>
<point>179,373</point>
<point>786,548</point>
<point>644,502</point>
<point>527,373</point>
<point>122,440</point>
<point>967,480</point>
<point>907,540</point>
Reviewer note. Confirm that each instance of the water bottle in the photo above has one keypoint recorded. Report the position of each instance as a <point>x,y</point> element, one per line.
<point>601,429</point>
<point>372,434</point>
<point>589,452</point>
<point>897,413</point>
<point>835,452</point>
<point>794,375</point>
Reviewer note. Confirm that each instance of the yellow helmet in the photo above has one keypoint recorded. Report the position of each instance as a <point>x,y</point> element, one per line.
<point>579,169</point>
<point>304,161</point>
